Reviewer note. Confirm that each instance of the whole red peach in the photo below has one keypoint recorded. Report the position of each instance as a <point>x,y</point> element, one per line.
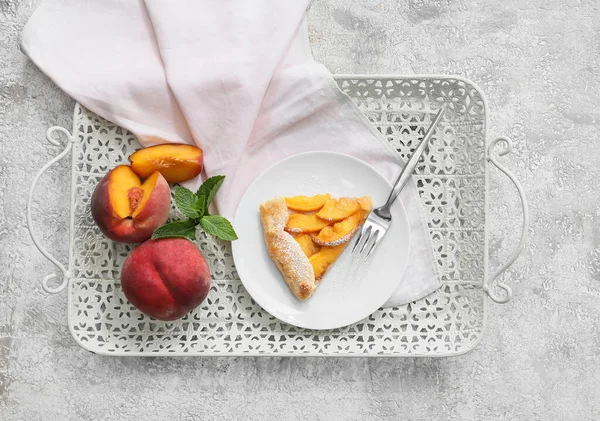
<point>166,278</point>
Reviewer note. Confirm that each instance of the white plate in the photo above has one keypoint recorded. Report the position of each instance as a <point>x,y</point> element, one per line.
<point>351,290</point>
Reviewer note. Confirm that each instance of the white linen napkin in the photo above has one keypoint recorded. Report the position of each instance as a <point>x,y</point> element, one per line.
<point>236,78</point>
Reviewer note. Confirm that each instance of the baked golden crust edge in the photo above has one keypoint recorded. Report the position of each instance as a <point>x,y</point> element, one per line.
<point>285,251</point>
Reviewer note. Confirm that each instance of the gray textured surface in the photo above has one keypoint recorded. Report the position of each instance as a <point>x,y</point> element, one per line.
<point>538,61</point>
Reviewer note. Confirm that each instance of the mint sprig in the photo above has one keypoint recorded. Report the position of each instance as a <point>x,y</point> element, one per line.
<point>219,227</point>
<point>210,187</point>
<point>185,228</point>
<point>188,203</point>
<point>195,207</point>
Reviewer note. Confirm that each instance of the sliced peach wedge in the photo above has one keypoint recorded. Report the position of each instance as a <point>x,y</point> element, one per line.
<point>339,233</point>
<point>306,203</point>
<point>176,162</point>
<point>324,258</point>
<point>366,203</point>
<point>127,210</point>
<point>308,246</point>
<point>336,210</point>
<point>301,223</point>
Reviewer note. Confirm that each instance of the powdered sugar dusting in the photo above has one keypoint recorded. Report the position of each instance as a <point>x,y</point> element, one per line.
<point>284,250</point>
<point>293,258</point>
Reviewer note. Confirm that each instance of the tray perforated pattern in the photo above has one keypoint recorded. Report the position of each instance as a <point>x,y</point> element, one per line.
<point>451,184</point>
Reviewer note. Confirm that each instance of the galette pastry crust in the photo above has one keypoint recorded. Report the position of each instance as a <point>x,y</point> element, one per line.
<point>285,251</point>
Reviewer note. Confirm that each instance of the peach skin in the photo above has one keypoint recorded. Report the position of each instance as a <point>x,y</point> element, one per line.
<point>166,278</point>
<point>176,162</point>
<point>127,210</point>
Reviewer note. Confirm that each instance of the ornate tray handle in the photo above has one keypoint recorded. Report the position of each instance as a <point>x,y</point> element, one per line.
<point>65,272</point>
<point>488,288</point>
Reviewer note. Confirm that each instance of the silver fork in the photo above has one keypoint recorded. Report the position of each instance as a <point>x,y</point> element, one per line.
<point>380,219</point>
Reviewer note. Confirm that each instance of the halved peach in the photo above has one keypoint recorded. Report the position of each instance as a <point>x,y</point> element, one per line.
<point>335,210</point>
<point>176,162</point>
<point>339,233</point>
<point>308,246</point>
<point>322,260</point>
<point>127,210</point>
<point>306,203</point>
<point>299,222</point>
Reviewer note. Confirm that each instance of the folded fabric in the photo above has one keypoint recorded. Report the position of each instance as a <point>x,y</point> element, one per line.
<point>236,78</point>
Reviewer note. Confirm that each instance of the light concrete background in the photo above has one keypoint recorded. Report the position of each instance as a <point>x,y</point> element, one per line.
<point>538,62</point>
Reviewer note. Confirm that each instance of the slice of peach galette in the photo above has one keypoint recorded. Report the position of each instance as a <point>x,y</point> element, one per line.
<point>305,235</point>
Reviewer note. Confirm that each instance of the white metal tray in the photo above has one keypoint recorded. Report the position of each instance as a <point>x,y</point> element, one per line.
<point>452,182</point>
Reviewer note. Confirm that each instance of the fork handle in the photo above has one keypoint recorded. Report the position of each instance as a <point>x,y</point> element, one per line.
<point>408,169</point>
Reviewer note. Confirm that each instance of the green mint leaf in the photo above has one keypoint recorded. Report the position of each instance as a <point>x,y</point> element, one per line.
<point>200,206</point>
<point>210,187</point>
<point>219,227</point>
<point>179,229</point>
<point>187,202</point>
